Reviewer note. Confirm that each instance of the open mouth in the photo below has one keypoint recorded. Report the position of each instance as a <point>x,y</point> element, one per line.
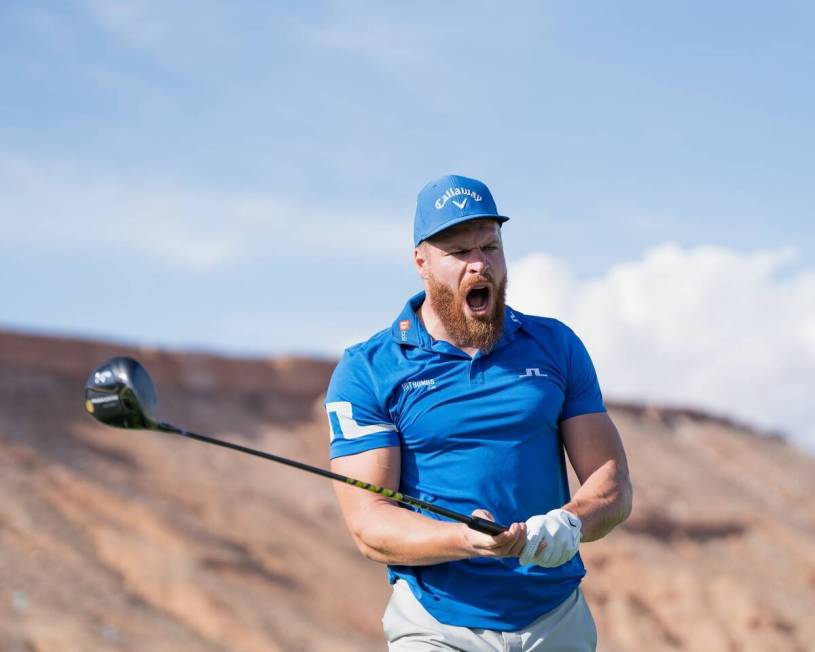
<point>478,298</point>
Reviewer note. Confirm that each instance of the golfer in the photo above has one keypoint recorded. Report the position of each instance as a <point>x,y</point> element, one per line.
<point>469,404</point>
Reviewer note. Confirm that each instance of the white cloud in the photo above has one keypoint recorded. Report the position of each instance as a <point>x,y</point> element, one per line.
<point>711,327</point>
<point>56,207</point>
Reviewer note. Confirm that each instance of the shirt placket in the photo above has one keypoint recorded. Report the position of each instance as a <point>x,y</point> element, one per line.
<point>476,370</point>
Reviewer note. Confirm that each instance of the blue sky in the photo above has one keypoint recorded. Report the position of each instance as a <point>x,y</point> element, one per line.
<point>241,177</point>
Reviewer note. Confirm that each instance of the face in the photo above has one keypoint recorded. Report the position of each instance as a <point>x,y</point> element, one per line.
<point>465,278</point>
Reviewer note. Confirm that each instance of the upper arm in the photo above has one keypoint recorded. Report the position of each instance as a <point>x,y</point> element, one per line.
<point>357,418</point>
<point>365,443</point>
<point>582,393</point>
<point>380,466</point>
<point>591,441</point>
<point>589,435</point>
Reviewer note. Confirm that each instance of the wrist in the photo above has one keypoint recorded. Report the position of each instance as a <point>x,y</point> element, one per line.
<point>575,520</point>
<point>572,506</point>
<point>574,509</point>
<point>461,543</point>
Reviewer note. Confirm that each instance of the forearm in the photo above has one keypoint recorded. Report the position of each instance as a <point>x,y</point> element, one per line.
<point>603,501</point>
<point>390,534</point>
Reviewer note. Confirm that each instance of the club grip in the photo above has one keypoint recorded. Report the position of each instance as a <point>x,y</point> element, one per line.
<point>487,527</point>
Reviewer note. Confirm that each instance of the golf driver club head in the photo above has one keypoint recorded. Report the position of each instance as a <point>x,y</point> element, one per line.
<point>120,393</point>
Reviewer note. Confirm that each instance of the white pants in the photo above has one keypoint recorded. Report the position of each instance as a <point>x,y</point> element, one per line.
<point>409,628</point>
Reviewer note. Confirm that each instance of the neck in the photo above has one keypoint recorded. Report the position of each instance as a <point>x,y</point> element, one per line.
<point>433,325</point>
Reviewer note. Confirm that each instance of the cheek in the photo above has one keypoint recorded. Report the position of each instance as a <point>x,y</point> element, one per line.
<point>499,266</point>
<point>448,273</point>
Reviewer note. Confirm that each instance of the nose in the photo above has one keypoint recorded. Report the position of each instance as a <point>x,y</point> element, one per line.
<point>478,263</point>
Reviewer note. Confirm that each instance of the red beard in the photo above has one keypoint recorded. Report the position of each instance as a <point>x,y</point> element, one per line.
<point>478,332</point>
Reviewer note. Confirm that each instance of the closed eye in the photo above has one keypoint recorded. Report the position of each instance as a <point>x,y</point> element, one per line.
<point>464,252</point>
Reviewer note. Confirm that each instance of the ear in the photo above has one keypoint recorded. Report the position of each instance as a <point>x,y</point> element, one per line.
<point>420,260</point>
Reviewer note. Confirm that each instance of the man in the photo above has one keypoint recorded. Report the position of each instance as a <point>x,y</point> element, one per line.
<point>469,404</point>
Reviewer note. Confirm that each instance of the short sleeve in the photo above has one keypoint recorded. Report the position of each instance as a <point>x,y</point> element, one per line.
<point>356,418</point>
<point>582,394</point>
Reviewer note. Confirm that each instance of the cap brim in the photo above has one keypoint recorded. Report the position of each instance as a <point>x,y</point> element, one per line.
<point>458,220</point>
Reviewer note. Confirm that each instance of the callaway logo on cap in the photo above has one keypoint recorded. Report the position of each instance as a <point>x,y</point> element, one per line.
<point>452,192</point>
<point>449,201</point>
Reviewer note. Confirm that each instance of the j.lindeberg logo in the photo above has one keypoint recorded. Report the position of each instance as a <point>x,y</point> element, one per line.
<point>534,371</point>
<point>455,192</point>
<point>430,383</point>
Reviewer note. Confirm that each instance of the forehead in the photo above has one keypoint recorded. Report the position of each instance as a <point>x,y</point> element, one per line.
<point>475,229</point>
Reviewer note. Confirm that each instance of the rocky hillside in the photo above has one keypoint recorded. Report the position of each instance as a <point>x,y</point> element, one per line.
<point>115,540</point>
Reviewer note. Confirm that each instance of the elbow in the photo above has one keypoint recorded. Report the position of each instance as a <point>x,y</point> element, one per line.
<point>626,498</point>
<point>369,551</point>
<point>365,541</point>
<point>620,509</point>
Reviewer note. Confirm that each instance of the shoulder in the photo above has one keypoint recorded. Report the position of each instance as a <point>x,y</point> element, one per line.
<point>550,329</point>
<point>364,363</point>
<point>376,347</point>
<point>554,337</point>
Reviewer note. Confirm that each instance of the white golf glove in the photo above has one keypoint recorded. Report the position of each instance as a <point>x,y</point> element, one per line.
<point>560,529</point>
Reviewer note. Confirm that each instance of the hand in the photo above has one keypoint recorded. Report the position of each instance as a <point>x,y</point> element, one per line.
<point>507,544</point>
<point>552,538</point>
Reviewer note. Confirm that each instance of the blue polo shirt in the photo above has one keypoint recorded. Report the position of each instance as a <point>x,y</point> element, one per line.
<point>474,432</point>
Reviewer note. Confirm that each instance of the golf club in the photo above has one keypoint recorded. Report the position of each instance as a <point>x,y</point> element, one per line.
<point>120,393</point>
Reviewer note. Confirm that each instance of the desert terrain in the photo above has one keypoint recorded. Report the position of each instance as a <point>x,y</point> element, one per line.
<point>141,541</point>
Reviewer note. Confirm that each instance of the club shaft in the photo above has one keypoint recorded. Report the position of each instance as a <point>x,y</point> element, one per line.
<point>474,522</point>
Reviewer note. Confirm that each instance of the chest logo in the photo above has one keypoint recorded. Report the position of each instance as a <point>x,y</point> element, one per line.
<point>533,371</point>
<point>429,383</point>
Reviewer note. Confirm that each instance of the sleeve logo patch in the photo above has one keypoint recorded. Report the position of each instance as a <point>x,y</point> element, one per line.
<point>345,426</point>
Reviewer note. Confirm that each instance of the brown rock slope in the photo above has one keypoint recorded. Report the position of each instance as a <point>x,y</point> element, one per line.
<point>114,540</point>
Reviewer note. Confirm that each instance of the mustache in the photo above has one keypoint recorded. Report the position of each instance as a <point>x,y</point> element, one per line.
<point>478,279</point>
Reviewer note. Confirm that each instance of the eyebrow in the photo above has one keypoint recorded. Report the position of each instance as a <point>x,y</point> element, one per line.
<point>453,244</point>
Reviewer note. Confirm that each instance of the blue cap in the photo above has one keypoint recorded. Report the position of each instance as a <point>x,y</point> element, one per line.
<point>449,201</point>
